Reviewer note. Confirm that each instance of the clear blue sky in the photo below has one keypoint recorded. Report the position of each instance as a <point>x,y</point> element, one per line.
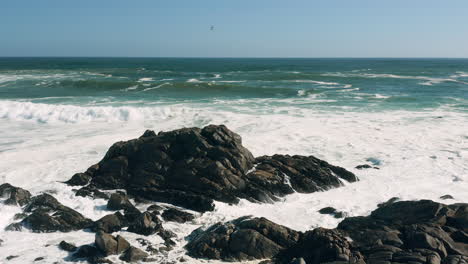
<point>243,28</point>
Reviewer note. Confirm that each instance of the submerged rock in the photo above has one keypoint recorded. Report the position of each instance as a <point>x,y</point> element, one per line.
<point>15,195</point>
<point>333,212</point>
<point>241,239</point>
<point>446,197</point>
<point>191,167</point>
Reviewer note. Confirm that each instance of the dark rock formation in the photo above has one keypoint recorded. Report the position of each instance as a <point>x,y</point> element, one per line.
<point>133,254</point>
<point>366,166</point>
<point>48,215</point>
<point>110,223</point>
<point>333,212</point>
<point>15,195</point>
<point>446,197</point>
<point>91,191</point>
<point>79,179</point>
<point>67,246</point>
<point>145,224</point>
<point>191,167</point>
<point>109,244</point>
<point>119,201</point>
<point>241,239</point>
<point>399,232</point>
<point>176,215</point>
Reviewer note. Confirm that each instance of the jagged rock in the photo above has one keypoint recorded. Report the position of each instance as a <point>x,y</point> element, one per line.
<point>154,208</point>
<point>91,191</point>
<point>48,215</point>
<point>396,232</point>
<point>110,223</point>
<point>321,246</point>
<point>241,239</point>
<point>446,197</point>
<point>119,201</point>
<point>133,254</point>
<point>145,224</point>
<point>109,244</point>
<point>332,211</point>
<point>79,179</point>
<point>15,195</point>
<point>67,246</point>
<point>176,215</point>
<point>191,167</point>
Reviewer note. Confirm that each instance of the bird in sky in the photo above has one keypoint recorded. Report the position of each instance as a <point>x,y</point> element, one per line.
<point>212,28</point>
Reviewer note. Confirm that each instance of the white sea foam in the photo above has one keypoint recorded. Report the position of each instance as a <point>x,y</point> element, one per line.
<point>316,82</point>
<point>146,79</point>
<point>413,148</point>
<point>428,80</point>
<point>155,87</point>
<point>193,80</point>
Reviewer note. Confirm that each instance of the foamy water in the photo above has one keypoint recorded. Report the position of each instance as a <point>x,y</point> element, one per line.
<point>423,155</point>
<point>411,119</point>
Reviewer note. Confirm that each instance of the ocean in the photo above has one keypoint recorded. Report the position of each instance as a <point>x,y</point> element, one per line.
<point>408,117</point>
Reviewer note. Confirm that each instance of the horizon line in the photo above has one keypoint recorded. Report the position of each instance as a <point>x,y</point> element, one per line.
<point>201,57</point>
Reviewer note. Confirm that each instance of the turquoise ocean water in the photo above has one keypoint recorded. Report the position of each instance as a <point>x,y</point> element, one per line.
<point>325,84</point>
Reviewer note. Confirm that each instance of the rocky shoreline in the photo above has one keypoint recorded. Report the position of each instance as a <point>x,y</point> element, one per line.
<point>192,168</point>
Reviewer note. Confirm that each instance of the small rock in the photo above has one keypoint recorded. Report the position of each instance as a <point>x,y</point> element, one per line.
<point>119,201</point>
<point>145,224</point>
<point>86,251</point>
<point>15,195</point>
<point>39,259</point>
<point>110,245</point>
<point>133,254</point>
<point>446,197</point>
<point>364,166</point>
<point>178,216</point>
<point>91,191</point>
<point>67,246</point>
<point>110,223</point>
<point>79,179</point>
<point>332,211</point>
<point>11,257</point>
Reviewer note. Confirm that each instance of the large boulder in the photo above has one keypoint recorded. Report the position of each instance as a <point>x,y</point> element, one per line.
<point>15,195</point>
<point>241,239</point>
<point>46,214</point>
<point>191,167</point>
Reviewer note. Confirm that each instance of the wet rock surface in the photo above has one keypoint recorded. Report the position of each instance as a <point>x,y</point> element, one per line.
<point>241,239</point>
<point>176,215</point>
<point>46,214</point>
<point>399,232</point>
<point>14,195</point>
<point>192,167</point>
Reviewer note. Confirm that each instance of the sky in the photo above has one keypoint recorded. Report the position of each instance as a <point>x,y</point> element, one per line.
<point>242,28</point>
